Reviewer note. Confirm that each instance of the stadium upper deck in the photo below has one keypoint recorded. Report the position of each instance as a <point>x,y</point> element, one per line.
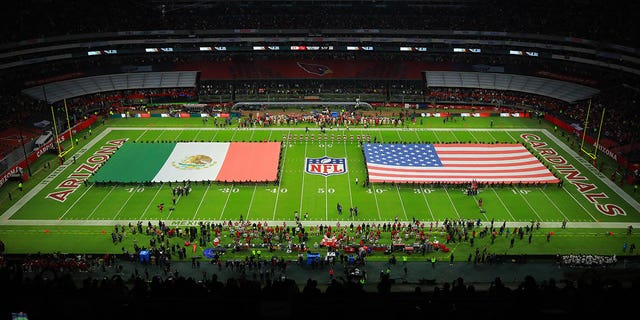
<point>595,20</point>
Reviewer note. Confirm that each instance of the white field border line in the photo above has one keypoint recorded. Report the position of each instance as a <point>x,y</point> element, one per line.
<point>401,202</point>
<point>189,222</point>
<point>103,199</point>
<point>255,186</point>
<point>226,201</point>
<point>335,130</point>
<point>451,200</point>
<point>204,195</point>
<point>528,204</point>
<point>504,205</point>
<point>52,176</point>
<point>151,201</point>
<point>74,203</point>
<point>133,192</point>
<point>284,161</point>
<point>553,203</point>
<point>615,188</point>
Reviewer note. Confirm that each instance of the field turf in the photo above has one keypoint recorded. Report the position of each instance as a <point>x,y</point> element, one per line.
<point>58,212</point>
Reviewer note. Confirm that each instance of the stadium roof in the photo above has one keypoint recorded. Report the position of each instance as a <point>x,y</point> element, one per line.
<point>562,90</point>
<point>57,91</point>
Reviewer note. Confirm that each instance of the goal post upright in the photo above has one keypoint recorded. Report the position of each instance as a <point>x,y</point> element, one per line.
<point>592,155</point>
<point>55,127</point>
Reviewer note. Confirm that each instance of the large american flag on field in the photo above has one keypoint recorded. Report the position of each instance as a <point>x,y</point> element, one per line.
<point>454,163</point>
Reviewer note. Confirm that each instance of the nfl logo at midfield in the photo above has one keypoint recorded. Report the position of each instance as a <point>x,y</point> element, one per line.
<point>326,166</point>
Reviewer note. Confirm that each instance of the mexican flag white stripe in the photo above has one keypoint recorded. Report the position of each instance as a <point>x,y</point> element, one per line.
<point>193,161</point>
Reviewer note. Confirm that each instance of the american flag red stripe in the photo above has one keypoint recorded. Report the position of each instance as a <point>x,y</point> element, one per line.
<point>454,163</point>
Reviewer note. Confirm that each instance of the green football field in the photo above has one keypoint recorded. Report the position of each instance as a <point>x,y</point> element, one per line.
<point>588,200</point>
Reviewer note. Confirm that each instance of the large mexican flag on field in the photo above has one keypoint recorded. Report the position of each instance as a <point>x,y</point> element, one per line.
<point>192,161</point>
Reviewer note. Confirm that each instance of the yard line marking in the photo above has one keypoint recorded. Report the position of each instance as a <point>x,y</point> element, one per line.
<point>437,138</point>
<point>179,134</point>
<point>284,161</point>
<point>171,211</point>
<point>373,187</point>
<point>226,201</point>
<point>417,135</point>
<point>474,136</point>
<point>402,203</point>
<point>252,132</point>
<point>215,135</point>
<point>103,199</point>
<point>141,135</point>
<point>158,137</point>
<point>348,176</point>
<point>399,136</point>
<point>133,192</point>
<point>528,204</point>
<point>255,186</point>
<point>326,187</point>
<point>481,210</point>
<point>302,184</point>
<point>234,134</point>
<point>580,204</point>
<point>492,137</point>
<point>74,203</point>
<point>505,206</point>
<point>553,203</point>
<point>427,202</point>
<point>152,200</point>
<point>514,139</point>
<point>201,200</point>
<point>451,200</point>
<point>196,136</point>
<point>454,136</point>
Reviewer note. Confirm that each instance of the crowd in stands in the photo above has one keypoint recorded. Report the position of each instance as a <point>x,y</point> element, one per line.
<point>589,20</point>
<point>621,122</point>
<point>100,287</point>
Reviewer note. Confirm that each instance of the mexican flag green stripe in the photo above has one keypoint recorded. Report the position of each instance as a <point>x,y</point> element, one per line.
<point>134,162</point>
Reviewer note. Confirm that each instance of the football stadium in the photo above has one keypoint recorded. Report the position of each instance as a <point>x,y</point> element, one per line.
<point>216,154</point>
